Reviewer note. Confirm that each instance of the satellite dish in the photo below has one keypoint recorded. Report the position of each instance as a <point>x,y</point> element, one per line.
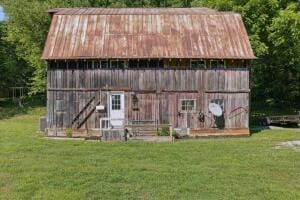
<point>215,109</point>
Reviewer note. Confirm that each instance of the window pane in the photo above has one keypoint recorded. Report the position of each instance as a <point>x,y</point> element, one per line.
<point>214,64</point>
<point>187,105</point>
<point>221,64</point>
<point>114,64</point>
<point>133,64</point>
<point>143,64</point>
<point>161,63</point>
<point>198,64</point>
<point>153,63</point>
<point>97,64</point>
<point>121,64</point>
<point>193,64</point>
<point>104,64</point>
<point>116,102</point>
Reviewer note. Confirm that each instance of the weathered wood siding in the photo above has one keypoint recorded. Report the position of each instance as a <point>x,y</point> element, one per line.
<point>159,91</point>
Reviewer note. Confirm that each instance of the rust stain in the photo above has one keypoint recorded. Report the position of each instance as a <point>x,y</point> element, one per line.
<point>96,33</point>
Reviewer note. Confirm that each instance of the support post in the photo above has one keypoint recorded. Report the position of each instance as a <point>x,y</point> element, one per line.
<point>171,130</point>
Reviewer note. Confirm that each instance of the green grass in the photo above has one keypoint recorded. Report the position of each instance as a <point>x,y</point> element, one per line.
<point>32,167</point>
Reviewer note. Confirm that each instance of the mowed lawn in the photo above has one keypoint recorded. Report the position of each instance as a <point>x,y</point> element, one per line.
<point>32,167</point>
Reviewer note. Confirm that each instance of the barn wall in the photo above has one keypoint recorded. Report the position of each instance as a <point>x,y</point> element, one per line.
<point>71,86</point>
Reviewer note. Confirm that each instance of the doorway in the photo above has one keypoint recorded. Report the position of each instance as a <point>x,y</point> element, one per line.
<point>116,109</point>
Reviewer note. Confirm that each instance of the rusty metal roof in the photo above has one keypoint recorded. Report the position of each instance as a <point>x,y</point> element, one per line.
<point>90,33</point>
<point>131,11</point>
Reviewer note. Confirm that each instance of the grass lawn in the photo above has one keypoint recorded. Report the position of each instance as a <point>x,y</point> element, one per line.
<point>237,168</point>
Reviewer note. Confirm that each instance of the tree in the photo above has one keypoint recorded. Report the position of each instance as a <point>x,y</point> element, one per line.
<point>272,25</point>
<point>273,28</point>
<point>13,71</point>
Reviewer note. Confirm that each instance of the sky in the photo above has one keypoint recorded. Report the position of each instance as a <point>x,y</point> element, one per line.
<point>2,15</point>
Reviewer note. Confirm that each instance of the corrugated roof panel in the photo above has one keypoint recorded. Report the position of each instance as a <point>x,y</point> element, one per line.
<point>146,33</point>
<point>75,21</point>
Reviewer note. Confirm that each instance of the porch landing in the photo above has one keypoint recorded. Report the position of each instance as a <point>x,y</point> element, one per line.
<point>119,134</point>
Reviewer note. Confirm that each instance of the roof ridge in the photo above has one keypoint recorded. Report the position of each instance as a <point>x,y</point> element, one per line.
<point>137,11</point>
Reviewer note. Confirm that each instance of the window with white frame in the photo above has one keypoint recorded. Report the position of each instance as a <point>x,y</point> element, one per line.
<point>116,102</point>
<point>187,104</point>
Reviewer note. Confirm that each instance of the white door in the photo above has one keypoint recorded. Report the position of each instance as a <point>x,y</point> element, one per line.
<point>116,109</point>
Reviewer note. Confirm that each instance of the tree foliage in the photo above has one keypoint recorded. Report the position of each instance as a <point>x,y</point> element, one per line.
<point>273,27</point>
<point>13,71</point>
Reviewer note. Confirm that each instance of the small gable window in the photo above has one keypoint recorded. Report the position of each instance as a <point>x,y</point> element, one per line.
<point>117,64</point>
<point>104,64</point>
<point>217,64</point>
<point>198,64</point>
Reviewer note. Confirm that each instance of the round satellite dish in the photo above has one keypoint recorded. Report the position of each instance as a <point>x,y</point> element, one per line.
<point>215,109</point>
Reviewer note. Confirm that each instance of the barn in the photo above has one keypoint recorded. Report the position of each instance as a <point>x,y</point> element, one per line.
<point>138,70</point>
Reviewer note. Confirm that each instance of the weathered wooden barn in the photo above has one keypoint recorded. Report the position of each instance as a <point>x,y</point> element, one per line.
<point>109,69</point>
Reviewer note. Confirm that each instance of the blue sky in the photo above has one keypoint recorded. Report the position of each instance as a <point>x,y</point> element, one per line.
<point>2,15</point>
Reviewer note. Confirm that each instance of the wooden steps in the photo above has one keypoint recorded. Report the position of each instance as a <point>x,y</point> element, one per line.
<point>219,132</point>
<point>141,128</point>
<point>87,135</point>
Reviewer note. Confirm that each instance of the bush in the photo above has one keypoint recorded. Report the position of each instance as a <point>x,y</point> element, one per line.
<point>163,132</point>
<point>175,134</point>
<point>69,132</point>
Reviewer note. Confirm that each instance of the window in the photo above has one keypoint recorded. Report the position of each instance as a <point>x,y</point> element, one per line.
<point>117,64</point>
<point>104,64</point>
<point>121,64</point>
<point>133,64</point>
<point>221,64</point>
<point>161,64</point>
<point>215,64</point>
<point>114,64</point>
<point>187,104</point>
<point>174,63</point>
<point>196,64</point>
<point>116,102</point>
<point>153,63</point>
<point>143,63</point>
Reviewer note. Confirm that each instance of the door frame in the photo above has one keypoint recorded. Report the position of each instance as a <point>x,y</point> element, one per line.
<point>122,110</point>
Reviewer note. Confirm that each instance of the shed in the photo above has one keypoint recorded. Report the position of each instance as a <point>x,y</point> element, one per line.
<point>113,69</point>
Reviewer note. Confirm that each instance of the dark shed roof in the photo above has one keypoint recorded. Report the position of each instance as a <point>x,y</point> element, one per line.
<point>88,33</point>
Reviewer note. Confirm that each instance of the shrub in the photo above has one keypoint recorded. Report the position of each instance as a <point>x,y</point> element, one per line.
<point>175,134</point>
<point>163,132</point>
<point>69,132</point>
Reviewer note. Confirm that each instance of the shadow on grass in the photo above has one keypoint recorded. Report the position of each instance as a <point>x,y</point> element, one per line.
<point>9,109</point>
<point>257,129</point>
